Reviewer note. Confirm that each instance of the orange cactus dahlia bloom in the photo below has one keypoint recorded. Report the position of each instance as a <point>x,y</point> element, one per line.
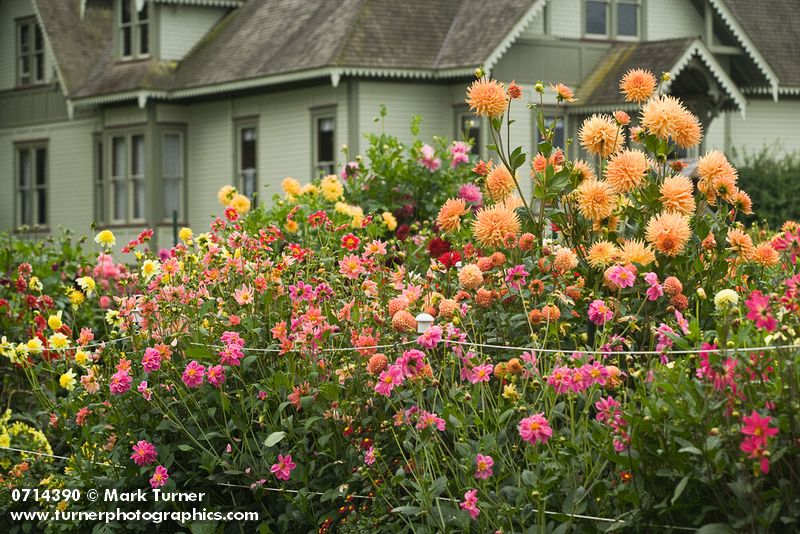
<point>499,183</point>
<point>677,195</point>
<point>626,170</point>
<point>668,233</point>
<point>487,98</point>
<point>600,135</point>
<point>449,218</point>
<point>492,225</point>
<point>596,199</point>
<point>637,85</point>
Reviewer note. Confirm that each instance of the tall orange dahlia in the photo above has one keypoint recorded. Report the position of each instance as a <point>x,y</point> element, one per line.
<point>668,233</point>
<point>492,225</point>
<point>596,199</point>
<point>449,218</point>
<point>583,170</point>
<point>601,254</point>
<point>661,114</point>
<point>487,98</point>
<point>687,131</point>
<point>626,170</point>
<point>677,195</point>
<point>637,85</point>
<point>635,251</point>
<point>600,135</point>
<point>740,243</point>
<point>499,183</point>
<point>716,173</point>
<point>742,202</point>
<point>765,255</point>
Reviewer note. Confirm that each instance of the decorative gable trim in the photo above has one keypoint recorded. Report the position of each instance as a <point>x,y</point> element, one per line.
<point>49,45</point>
<point>698,49</point>
<point>749,47</point>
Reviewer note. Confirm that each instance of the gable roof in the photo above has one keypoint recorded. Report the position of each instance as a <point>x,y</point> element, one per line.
<point>77,42</point>
<point>267,40</point>
<point>600,89</point>
<point>774,28</point>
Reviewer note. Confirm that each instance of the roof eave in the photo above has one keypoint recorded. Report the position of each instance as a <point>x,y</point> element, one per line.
<point>749,47</point>
<point>697,49</point>
<point>513,35</point>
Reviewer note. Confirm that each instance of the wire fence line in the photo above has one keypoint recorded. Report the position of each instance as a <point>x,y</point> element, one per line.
<point>356,496</point>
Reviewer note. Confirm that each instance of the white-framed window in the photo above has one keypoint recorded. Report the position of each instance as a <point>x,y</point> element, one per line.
<point>30,169</point>
<point>133,30</point>
<point>30,52</point>
<point>247,157</point>
<point>323,124</point>
<point>468,128</point>
<point>99,180</point>
<point>173,175</point>
<point>612,19</point>
<point>127,178</point>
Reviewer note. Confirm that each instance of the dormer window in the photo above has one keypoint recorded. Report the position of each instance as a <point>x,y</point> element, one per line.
<point>612,19</point>
<point>30,53</point>
<point>133,30</point>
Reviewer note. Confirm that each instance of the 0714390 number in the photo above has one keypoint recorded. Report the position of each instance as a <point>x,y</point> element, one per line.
<point>49,495</point>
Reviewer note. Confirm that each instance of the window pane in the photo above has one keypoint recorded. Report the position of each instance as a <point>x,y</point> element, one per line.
<point>25,207</point>
<point>41,207</point>
<point>137,155</point>
<point>126,41</point>
<point>172,163</point>
<point>41,166</point>
<point>471,125</point>
<point>24,67</point>
<point>38,61</point>
<point>99,192</point>
<point>24,168</point>
<point>172,197</point>
<point>325,133</point>
<point>627,19</point>
<point>119,157</point>
<point>126,10</point>
<point>249,182</point>
<point>120,200</point>
<point>24,38</point>
<point>596,17</point>
<point>143,13</point>
<point>144,47</point>
<point>247,156</point>
<point>138,198</point>
<point>558,135</point>
<point>38,40</point>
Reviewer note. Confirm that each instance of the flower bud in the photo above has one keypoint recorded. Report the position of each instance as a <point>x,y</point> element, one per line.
<point>539,87</point>
<point>479,72</point>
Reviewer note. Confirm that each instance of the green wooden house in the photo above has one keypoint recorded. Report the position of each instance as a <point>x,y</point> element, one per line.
<point>126,112</point>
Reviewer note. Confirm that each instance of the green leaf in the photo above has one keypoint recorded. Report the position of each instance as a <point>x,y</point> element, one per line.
<point>407,510</point>
<point>715,528</point>
<point>184,448</point>
<point>274,438</point>
<point>679,489</point>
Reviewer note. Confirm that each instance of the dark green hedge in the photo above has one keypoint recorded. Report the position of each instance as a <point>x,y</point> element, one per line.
<point>772,179</point>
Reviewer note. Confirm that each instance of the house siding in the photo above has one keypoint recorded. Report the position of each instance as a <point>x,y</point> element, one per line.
<point>434,103</point>
<point>70,172</point>
<point>673,19</point>
<point>180,27</point>
<point>566,18</point>
<point>767,124</point>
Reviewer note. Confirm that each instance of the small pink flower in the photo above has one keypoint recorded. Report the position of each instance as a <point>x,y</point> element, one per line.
<point>516,276</point>
<point>388,380</point>
<point>535,429</point>
<point>759,311</point>
<point>144,453</point>
<point>151,361</point>
<point>483,466</point>
<point>193,374</point>
<point>142,388</point>
<point>470,503</point>
<point>369,456</point>
<point>160,477</point>
<point>471,193</point>
<point>431,338</point>
<point>283,469</point>
<point>621,276</point>
<point>120,383</point>
<point>599,313</point>
<point>430,419</point>
<point>244,295</point>
<point>481,373</point>
<point>216,375</point>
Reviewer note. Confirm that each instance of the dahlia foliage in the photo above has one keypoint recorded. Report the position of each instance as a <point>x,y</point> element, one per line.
<point>607,341</point>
